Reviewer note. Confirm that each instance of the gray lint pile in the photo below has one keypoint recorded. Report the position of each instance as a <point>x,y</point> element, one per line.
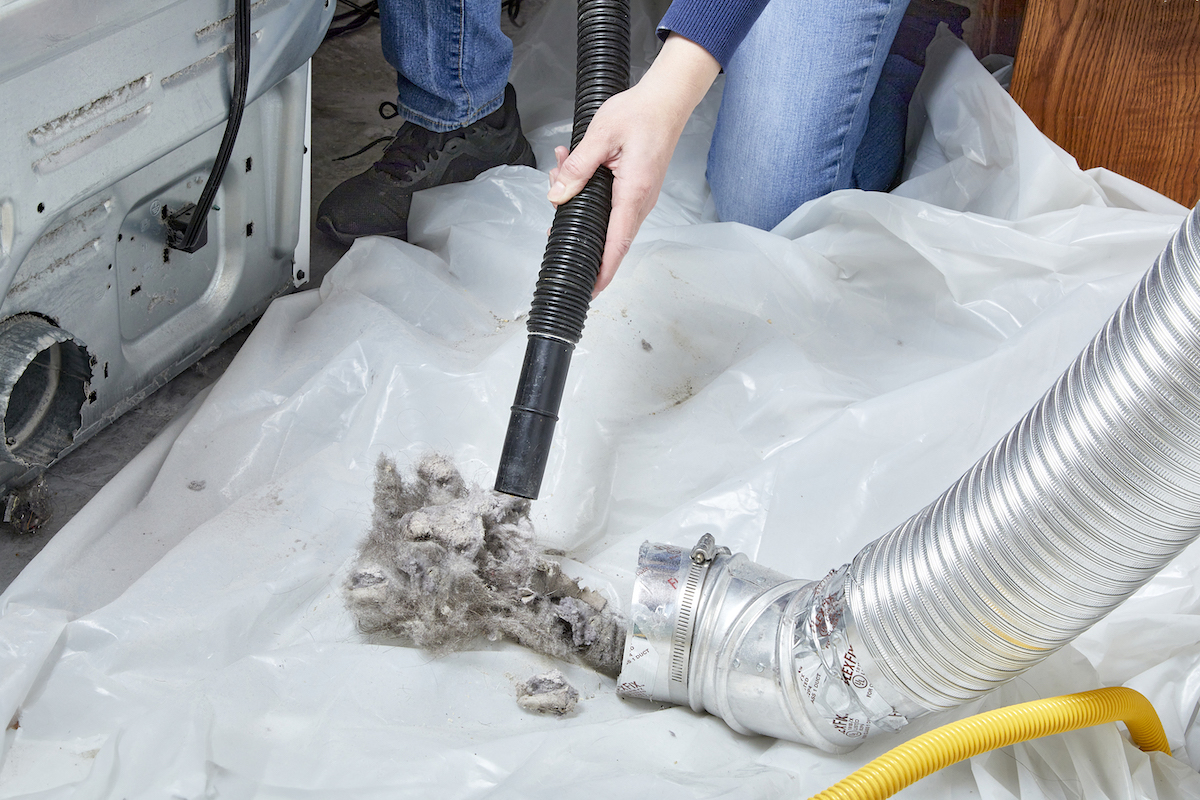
<point>446,563</point>
<point>548,693</point>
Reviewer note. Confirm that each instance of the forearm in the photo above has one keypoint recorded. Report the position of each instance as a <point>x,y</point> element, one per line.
<point>680,76</point>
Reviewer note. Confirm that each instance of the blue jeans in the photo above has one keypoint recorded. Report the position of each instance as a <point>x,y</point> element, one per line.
<point>793,119</point>
<point>451,57</point>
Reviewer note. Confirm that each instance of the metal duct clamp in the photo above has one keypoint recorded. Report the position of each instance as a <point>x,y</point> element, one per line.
<point>666,598</point>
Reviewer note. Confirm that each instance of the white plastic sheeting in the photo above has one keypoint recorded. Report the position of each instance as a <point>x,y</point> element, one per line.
<point>796,392</point>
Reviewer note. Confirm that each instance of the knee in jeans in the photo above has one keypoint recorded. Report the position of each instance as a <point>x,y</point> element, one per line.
<point>761,200</point>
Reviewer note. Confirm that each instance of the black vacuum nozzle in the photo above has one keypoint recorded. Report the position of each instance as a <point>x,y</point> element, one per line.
<point>534,414</point>
<point>572,260</point>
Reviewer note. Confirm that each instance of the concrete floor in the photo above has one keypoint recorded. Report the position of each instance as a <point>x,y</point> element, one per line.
<point>350,80</point>
<point>73,481</point>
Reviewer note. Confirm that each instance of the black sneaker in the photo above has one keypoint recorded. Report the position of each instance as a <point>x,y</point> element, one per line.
<point>376,202</point>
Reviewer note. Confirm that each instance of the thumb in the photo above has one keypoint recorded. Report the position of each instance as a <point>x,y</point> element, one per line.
<point>577,169</point>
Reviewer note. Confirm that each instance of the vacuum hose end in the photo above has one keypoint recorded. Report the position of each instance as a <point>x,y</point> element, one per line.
<point>534,415</point>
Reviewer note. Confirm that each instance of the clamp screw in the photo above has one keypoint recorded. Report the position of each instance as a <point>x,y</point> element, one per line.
<point>706,549</point>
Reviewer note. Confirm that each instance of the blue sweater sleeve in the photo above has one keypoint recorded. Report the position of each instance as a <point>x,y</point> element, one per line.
<point>716,25</point>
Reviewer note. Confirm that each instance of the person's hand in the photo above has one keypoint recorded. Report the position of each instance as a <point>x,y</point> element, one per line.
<point>634,134</point>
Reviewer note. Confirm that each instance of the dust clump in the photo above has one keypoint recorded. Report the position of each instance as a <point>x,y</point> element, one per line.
<point>446,563</point>
<point>548,693</point>
<point>27,509</point>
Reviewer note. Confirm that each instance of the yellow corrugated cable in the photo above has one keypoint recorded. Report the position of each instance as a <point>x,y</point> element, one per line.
<point>949,744</point>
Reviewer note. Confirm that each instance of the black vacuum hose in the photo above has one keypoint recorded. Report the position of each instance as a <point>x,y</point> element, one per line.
<point>572,260</point>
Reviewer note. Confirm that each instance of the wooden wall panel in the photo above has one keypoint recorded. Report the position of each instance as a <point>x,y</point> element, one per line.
<point>997,27</point>
<point>1116,83</point>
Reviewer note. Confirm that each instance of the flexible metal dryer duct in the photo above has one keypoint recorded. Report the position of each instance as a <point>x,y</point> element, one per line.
<point>1088,497</point>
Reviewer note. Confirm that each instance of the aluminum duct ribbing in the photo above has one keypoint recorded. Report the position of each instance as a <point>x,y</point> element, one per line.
<point>1088,496</point>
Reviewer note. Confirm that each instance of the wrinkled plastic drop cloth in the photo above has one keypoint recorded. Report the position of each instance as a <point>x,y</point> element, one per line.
<point>795,392</point>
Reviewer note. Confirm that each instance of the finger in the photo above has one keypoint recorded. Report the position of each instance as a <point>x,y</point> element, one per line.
<point>579,166</point>
<point>560,155</point>
<point>616,245</point>
<point>631,203</point>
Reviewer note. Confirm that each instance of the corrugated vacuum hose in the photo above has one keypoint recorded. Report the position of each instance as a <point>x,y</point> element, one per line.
<point>572,260</point>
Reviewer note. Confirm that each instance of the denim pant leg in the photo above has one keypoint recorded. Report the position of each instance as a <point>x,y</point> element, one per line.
<point>797,94</point>
<point>451,57</point>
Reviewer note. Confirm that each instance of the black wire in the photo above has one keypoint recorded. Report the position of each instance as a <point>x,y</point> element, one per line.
<point>513,7</point>
<point>387,110</point>
<point>360,15</point>
<point>365,148</point>
<point>371,8</point>
<point>237,105</point>
<point>353,25</point>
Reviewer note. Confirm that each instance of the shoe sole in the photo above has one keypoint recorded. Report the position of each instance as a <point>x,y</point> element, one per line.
<point>325,226</point>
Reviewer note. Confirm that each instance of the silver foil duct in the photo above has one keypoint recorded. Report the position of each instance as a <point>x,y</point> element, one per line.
<point>1093,492</point>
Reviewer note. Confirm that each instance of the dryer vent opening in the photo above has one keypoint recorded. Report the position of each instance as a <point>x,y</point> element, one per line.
<point>44,373</point>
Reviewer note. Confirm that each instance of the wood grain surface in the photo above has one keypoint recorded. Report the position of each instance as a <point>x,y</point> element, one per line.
<point>1116,83</point>
<point>997,27</point>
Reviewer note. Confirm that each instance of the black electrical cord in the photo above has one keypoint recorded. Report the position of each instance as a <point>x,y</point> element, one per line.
<point>387,110</point>
<point>192,237</point>
<point>358,16</point>
<point>513,7</point>
<point>371,8</point>
<point>572,260</point>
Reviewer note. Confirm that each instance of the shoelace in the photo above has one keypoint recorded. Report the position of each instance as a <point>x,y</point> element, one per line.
<point>412,148</point>
<point>405,154</point>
